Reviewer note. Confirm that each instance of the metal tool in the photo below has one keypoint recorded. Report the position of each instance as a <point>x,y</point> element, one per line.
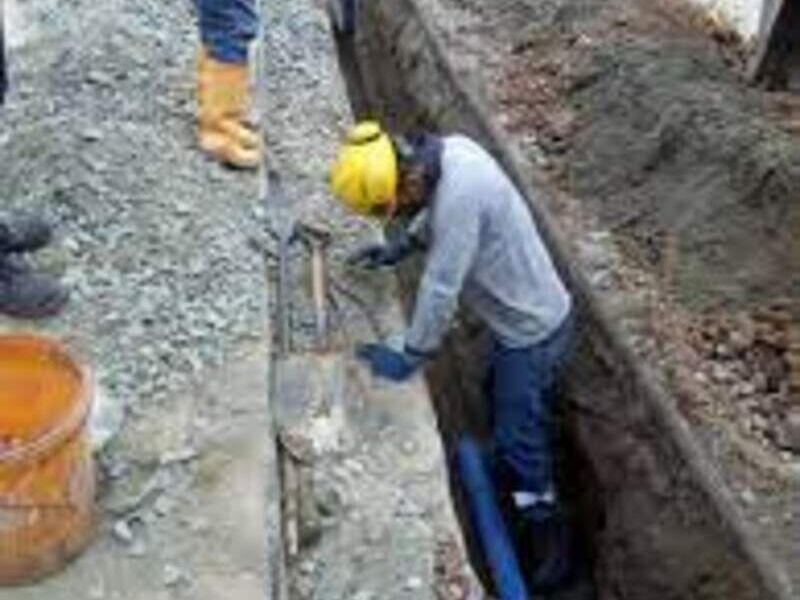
<point>284,315</point>
<point>286,236</point>
<point>317,241</point>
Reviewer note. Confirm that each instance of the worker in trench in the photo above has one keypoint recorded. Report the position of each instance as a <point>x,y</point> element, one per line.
<point>227,28</point>
<point>483,248</point>
<point>24,293</point>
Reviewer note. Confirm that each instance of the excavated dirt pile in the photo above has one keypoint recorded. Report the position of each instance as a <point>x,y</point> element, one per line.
<point>646,119</point>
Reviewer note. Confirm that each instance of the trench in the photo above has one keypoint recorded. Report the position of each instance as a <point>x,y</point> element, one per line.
<point>456,389</point>
<point>653,517</point>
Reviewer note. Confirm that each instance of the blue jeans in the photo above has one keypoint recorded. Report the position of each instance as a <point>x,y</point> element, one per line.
<point>522,392</point>
<point>227,27</point>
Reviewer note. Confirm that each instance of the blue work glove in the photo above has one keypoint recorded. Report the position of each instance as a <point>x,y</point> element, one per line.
<point>389,363</point>
<point>375,256</point>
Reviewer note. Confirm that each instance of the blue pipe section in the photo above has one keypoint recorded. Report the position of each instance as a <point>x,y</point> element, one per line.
<point>488,522</point>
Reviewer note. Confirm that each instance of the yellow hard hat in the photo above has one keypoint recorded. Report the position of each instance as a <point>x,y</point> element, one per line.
<point>364,176</point>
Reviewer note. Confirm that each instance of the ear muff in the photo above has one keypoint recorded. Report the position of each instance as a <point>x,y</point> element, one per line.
<point>404,149</point>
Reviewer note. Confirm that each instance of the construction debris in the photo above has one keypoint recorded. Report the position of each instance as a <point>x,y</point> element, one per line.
<point>123,532</point>
<point>174,576</point>
<point>138,549</point>
<point>788,436</point>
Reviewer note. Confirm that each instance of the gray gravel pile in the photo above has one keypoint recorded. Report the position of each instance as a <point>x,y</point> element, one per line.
<point>168,295</point>
<point>98,135</point>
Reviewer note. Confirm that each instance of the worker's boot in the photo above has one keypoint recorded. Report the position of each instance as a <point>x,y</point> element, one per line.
<point>26,294</point>
<point>23,234</point>
<point>244,131</point>
<point>223,98</point>
<point>546,552</point>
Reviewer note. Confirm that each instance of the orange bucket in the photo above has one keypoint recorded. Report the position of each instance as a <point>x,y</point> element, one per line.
<point>46,469</point>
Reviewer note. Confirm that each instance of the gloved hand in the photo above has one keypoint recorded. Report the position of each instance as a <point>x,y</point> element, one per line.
<point>389,363</point>
<point>375,256</point>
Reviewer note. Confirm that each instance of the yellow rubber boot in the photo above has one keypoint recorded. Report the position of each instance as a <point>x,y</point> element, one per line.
<point>223,97</point>
<point>243,131</point>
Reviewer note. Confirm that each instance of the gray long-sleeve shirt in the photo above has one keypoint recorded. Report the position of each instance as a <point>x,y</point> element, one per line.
<point>484,247</point>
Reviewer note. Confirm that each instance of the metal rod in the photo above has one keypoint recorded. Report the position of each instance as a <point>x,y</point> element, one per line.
<point>290,509</point>
<point>284,318</point>
<point>319,282</point>
<point>317,240</point>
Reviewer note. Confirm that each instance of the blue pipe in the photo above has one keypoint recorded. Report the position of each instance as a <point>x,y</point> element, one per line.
<point>488,521</point>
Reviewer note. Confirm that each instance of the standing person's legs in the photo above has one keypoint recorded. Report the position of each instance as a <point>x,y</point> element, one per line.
<point>227,27</point>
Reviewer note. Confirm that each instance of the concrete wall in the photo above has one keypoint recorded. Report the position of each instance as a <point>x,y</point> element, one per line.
<point>743,15</point>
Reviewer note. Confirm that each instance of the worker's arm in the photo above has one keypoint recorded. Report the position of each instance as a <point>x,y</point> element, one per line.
<point>454,242</point>
<point>402,241</point>
<point>455,235</point>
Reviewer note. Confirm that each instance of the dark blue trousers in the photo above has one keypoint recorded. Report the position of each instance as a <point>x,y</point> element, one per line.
<point>522,391</point>
<point>227,27</point>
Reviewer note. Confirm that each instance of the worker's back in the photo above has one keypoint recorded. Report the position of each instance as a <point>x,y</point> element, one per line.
<point>512,283</point>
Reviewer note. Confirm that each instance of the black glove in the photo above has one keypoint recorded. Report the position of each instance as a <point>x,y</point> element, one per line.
<point>375,256</point>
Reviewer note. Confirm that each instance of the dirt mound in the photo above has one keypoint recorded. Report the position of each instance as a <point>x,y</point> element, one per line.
<point>671,147</point>
<point>669,144</point>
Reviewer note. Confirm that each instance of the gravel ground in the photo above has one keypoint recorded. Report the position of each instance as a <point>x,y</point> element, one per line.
<point>168,299</point>
<point>98,136</point>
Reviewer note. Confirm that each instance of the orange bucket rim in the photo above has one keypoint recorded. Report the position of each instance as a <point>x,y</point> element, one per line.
<point>74,420</point>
